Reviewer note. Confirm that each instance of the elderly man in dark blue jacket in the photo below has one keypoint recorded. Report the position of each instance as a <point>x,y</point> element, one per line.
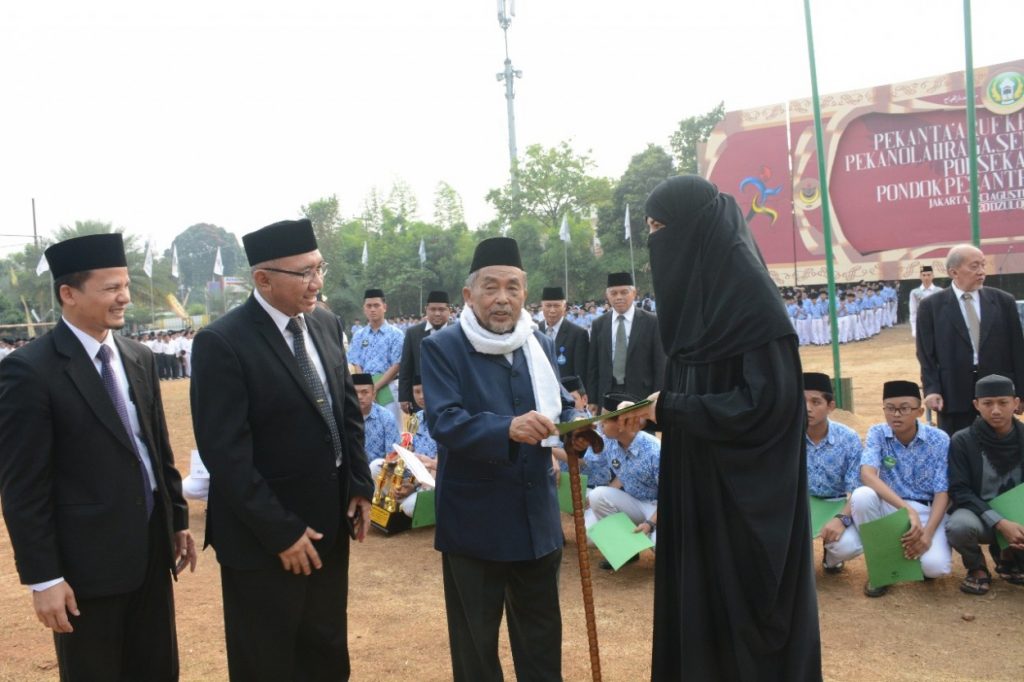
<point>493,398</point>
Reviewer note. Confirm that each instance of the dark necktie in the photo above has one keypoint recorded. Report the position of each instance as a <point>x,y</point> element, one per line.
<point>316,387</point>
<point>619,358</point>
<point>114,391</point>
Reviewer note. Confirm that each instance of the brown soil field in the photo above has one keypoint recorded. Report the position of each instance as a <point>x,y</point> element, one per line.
<point>918,632</point>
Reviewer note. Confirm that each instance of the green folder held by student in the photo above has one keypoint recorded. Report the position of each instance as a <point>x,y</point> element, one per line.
<point>1011,506</point>
<point>883,550</point>
<point>822,511</point>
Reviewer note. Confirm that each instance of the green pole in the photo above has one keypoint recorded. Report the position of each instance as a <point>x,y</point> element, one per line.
<point>972,133</point>
<point>825,211</point>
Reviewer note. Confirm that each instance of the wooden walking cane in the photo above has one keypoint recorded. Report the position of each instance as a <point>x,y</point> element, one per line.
<point>597,444</point>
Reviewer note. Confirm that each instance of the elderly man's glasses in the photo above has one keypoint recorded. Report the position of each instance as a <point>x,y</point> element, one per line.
<point>307,275</point>
<point>902,410</point>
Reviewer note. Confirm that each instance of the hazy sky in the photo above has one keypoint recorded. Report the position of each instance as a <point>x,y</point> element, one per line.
<point>158,116</point>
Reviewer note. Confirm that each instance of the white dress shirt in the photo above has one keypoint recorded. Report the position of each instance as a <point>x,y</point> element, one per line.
<point>281,322</point>
<point>976,302</point>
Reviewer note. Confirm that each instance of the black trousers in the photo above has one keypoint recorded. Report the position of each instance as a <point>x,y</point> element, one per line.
<point>126,636</point>
<point>476,591</point>
<point>951,422</point>
<point>281,626</point>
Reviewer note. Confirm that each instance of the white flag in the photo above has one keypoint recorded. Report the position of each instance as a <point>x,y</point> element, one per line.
<point>174,261</point>
<point>596,247</point>
<point>563,233</point>
<point>147,266</point>
<point>42,266</point>
<point>626,222</point>
<point>366,255</point>
<point>218,265</point>
<point>423,252</point>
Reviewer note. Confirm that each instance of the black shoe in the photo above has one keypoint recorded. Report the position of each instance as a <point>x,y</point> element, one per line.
<point>831,570</point>
<point>608,567</point>
<point>874,591</point>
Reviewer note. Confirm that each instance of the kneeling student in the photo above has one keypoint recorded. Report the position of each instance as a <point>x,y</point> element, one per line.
<point>985,460</point>
<point>903,466</point>
<point>833,470</point>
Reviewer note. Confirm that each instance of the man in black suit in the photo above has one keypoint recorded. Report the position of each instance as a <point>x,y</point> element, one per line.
<point>90,494</point>
<point>571,341</point>
<point>438,311</point>
<point>277,420</point>
<point>964,333</point>
<point>637,369</point>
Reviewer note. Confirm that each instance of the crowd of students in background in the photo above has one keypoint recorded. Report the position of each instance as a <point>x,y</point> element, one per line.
<point>862,311</point>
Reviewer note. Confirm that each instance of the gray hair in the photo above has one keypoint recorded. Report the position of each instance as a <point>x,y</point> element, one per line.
<point>957,255</point>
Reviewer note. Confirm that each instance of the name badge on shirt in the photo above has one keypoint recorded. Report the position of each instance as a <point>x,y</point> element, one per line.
<point>889,461</point>
<point>366,342</point>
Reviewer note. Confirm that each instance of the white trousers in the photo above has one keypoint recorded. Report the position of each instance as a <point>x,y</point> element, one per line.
<point>868,506</point>
<point>605,500</point>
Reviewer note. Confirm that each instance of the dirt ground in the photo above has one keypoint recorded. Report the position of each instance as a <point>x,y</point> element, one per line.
<point>921,631</point>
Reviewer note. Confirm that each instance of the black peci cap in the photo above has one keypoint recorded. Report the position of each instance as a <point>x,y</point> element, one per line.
<point>91,252</point>
<point>280,240</point>
<point>496,251</point>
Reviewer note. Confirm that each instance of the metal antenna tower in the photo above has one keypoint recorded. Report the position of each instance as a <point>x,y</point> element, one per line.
<point>506,11</point>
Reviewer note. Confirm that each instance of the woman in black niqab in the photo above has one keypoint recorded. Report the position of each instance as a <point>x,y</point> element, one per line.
<point>734,583</point>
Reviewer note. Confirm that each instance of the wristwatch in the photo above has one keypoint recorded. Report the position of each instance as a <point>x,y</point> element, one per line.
<point>847,521</point>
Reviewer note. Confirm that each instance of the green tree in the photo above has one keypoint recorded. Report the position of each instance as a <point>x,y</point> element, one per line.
<point>325,215</point>
<point>691,131</point>
<point>551,182</point>
<point>197,251</point>
<point>448,211</point>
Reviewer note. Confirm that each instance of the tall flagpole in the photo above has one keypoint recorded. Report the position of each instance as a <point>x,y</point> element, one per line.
<point>972,134</point>
<point>826,211</point>
<point>629,238</point>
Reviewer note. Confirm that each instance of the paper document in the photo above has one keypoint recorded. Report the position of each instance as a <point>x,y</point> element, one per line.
<point>414,466</point>
<point>573,425</point>
<point>614,536</point>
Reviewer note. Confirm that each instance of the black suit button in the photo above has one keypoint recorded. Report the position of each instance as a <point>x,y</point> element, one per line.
<point>530,484</point>
<point>327,438</point>
<point>515,401</point>
<point>138,501</point>
<point>334,475</point>
<point>514,374</point>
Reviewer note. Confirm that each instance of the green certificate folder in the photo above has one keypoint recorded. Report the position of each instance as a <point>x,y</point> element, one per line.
<point>614,536</point>
<point>884,552</point>
<point>424,513</point>
<point>384,396</point>
<point>565,493</point>
<point>822,510</point>
<point>1011,505</point>
<point>572,426</point>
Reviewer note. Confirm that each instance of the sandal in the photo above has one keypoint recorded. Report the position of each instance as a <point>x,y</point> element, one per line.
<point>1010,572</point>
<point>977,585</point>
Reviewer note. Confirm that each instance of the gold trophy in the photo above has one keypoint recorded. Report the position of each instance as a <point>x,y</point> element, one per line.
<point>385,514</point>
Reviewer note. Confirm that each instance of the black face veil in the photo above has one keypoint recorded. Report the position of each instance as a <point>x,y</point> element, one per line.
<point>715,297</point>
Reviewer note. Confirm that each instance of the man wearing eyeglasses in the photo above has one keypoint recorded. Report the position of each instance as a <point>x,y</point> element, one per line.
<point>276,417</point>
<point>904,466</point>
<point>965,332</point>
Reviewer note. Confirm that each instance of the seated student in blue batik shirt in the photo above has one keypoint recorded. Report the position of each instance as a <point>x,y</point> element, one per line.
<point>379,427</point>
<point>594,466</point>
<point>634,458</point>
<point>904,466</point>
<point>425,449</point>
<point>833,469</point>
<point>986,460</point>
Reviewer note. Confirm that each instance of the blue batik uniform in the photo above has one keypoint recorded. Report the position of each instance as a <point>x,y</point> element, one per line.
<point>381,432</point>
<point>376,351</point>
<point>636,466</point>
<point>422,443</point>
<point>833,465</point>
<point>916,471</point>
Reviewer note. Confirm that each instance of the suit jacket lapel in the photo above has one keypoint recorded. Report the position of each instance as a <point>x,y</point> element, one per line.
<point>989,313</point>
<point>957,315</point>
<point>563,331</point>
<point>272,335</point>
<point>83,375</point>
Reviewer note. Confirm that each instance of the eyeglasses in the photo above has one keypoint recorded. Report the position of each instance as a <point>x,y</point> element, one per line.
<point>306,275</point>
<point>902,411</point>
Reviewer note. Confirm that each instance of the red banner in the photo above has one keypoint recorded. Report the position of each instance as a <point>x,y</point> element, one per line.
<point>897,158</point>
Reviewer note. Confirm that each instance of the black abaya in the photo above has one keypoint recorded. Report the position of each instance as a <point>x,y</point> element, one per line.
<point>734,583</point>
